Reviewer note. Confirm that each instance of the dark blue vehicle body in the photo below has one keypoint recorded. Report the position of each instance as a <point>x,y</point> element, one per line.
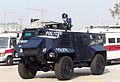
<point>61,51</point>
<point>58,49</point>
<point>77,45</point>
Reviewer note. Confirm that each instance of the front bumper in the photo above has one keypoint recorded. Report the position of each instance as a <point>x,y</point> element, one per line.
<point>3,59</point>
<point>16,59</point>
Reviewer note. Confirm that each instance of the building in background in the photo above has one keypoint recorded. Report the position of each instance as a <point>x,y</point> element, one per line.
<point>11,27</point>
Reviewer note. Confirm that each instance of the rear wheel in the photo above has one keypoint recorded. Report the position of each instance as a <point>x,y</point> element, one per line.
<point>25,72</point>
<point>9,61</point>
<point>64,68</point>
<point>98,65</point>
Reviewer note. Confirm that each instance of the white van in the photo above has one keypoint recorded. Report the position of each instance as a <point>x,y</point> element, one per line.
<point>7,52</point>
<point>112,45</point>
<point>111,40</point>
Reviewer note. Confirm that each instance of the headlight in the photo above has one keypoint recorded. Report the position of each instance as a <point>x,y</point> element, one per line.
<point>16,55</point>
<point>2,54</point>
<point>44,50</point>
<point>52,55</point>
<point>21,50</point>
<point>19,46</point>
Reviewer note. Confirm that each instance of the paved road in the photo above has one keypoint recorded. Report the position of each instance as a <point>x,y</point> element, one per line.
<point>111,74</point>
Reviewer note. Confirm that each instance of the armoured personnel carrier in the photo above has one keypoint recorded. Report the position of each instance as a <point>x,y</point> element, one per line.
<point>62,51</point>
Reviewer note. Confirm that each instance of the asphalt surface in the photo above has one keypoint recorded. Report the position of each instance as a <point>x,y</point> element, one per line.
<point>111,74</point>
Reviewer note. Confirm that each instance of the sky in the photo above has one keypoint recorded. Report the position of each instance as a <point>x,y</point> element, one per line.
<point>82,12</point>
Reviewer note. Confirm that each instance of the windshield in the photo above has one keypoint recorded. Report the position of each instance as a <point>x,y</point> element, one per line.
<point>27,35</point>
<point>3,42</point>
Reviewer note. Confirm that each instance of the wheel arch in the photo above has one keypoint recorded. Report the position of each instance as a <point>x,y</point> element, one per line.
<point>59,54</point>
<point>9,56</point>
<point>103,53</point>
<point>71,55</point>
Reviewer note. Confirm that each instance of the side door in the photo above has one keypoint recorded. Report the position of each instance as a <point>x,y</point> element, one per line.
<point>82,46</point>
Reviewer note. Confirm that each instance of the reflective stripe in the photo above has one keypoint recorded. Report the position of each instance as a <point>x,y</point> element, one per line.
<point>112,47</point>
<point>9,51</point>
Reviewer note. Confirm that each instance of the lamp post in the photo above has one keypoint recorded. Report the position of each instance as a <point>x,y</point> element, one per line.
<point>21,24</point>
<point>5,20</point>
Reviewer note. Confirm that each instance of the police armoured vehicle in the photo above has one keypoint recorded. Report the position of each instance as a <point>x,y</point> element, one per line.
<point>28,33</point>
<point>62,51</point>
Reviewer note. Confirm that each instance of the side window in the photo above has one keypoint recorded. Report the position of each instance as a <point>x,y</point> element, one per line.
<point>92,40</point>
<point>111,40</point>
<point>65,40</point>
<point>118,40</point>
<point>99,40</point>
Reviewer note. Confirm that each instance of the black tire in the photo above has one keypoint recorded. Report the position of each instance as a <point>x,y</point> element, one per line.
<point>9,61</point>
<point>98,65</point>
<point>25,72</point>
<point>64,68</point>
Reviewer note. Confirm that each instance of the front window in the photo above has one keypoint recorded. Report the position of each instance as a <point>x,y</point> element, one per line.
<point>27,35</point>
<point>4,42</point>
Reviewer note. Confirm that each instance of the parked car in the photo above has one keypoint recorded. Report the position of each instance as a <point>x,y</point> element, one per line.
<point>7,52</point>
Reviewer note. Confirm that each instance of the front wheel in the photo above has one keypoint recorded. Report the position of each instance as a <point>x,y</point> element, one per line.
<point>25,72</point>
<point>9,61</point>
<point>98,65</point>
<point>64,68</point>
